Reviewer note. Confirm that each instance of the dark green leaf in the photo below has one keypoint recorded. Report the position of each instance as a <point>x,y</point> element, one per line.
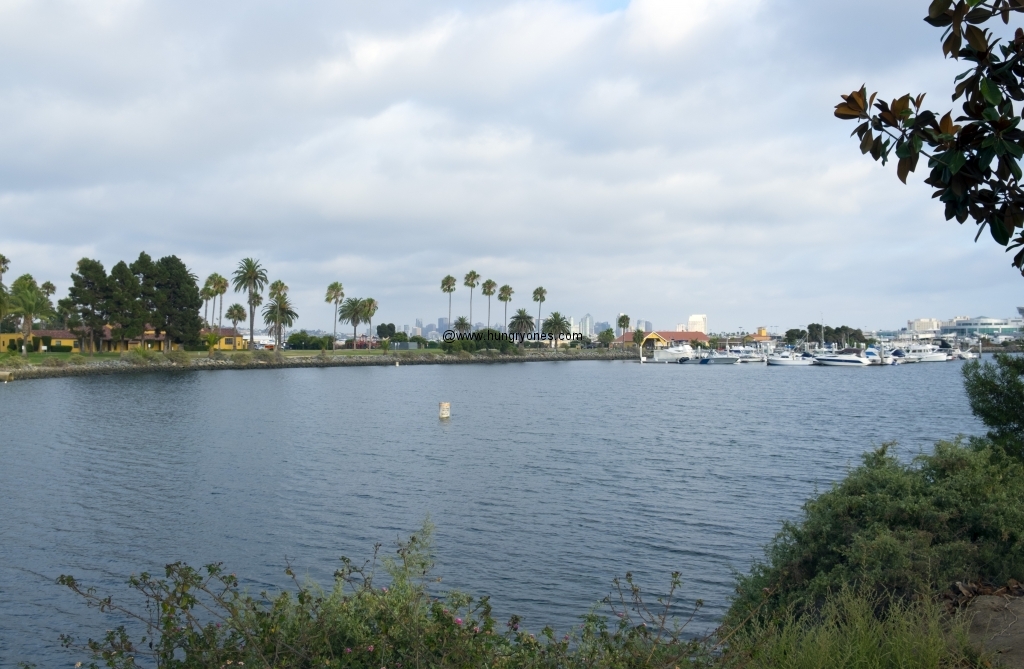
<point>990,91</point>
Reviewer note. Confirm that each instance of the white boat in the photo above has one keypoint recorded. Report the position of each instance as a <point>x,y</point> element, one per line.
<point>674,353</point>
<point>925,353</point>
<point>719,358</point>
<point>848,357</point>
<point>966,355</point>
<point>748,354</point>
<point>880,357</point>
<point>790,359</point>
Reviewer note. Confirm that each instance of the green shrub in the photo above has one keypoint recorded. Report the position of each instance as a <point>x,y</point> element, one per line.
<point>77,359</point>
<point>54,362</point>
<point>202,618</point>
<point>241,358</point>
<point>138,356</point>
<point>908,529</point>
<point>996,393</point>
<point>262,355</point>
<point>13,360</point>
<point>61,349</point>
<point>854,631</point>
<point>179,357</point>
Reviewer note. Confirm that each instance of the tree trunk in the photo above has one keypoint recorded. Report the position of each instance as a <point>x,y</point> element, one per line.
<point>252,322</point>
<point>334,341</point>
<point>26,330</point>
<point>220,318</point>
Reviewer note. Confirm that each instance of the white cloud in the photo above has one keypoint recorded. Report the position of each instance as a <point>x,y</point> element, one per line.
<point>665,158</point>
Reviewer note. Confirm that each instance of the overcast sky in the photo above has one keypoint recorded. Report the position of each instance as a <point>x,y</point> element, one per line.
<point>653,157</point>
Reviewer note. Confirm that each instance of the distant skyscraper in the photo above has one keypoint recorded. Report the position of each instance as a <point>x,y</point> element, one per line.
<point>587,326</point>
<point>641,324</point>
<point>405,329</point>
<point>417,332</point>
<point>697,323</point>
<point>601,327</point>
<point>442,323</point>
<point>419,323</point>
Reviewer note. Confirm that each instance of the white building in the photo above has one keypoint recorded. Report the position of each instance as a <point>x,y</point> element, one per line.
<point>696,323</point>
<point>986,327</point>
<point>924,325</point>
<point>587,326</point>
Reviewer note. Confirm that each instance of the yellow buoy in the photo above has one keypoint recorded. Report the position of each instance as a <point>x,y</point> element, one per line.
<point>445,410</point>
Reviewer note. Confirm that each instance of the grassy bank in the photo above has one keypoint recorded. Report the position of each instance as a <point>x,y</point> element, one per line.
<point>870,576</point>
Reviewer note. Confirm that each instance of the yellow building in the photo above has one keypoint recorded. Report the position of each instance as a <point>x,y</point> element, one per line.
<point>229,340</point>
<point>40,338</point>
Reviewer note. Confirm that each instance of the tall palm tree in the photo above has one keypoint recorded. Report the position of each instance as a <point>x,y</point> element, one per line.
<point>522,325</point>
<point>623,324</point>
<point>462,325</point>
<point>5,265</point>
<point>335,294</point>
<point>505,294</point>
<point>488,289</point>
<point>278,313</point>
<point>351,312</point>
<point>369,309</point>
<point>220,286</point>
<point>278,291</point>
<point>206,293</point>
<point>448,286</point>
<point>556,325</point>
<point>48,288</point>
<point>30,302</point>
<point>470,281</point>
<point>236,314</point>
<point>251,278</point>
<point>539,293</point>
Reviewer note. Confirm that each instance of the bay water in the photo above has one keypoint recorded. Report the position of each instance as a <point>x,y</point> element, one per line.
<point>549,479</point>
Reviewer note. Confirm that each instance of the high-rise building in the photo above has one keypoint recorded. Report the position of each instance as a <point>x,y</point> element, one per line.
<point>405,329</point>
<point>923,324</point>
<point>601,327</point>
<point>697,323</point>
<point>442,323</point>
<point>587,326</point>
<point>646,326</point>
<point>417,332</point>
<point>419,323</point>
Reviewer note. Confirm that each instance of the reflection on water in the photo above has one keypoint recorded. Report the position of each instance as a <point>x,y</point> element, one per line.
<point>549,479</point>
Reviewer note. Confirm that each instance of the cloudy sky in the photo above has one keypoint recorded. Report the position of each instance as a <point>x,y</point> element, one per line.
<point>653,157</point>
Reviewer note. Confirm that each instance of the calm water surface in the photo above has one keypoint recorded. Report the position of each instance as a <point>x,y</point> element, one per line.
<point>549,480</point>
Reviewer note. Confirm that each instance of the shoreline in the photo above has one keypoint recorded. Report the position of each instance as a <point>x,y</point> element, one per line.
<point>107,367</point>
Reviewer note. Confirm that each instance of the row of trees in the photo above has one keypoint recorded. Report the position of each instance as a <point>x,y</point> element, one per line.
<point>488,288</point>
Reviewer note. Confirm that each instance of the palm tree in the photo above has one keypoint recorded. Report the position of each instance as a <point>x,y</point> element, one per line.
<point>278,290</point>
<point>48,288</point>
<point>335,294</point>
<point>352,312</point>
<point>488,289</point>
<point>5,265</point>
<point>250,277</point>
<point>278,313</point>
<point>470,281</point>
<point>522,325</point>
<point>206,292</point>
<point>29,301</point>
<point>623,324</point>
<point>236,314</point>
<point>220,286</point>
<point>556,325</point>
<point>462,325</point>
<point>539,294</point>
<point>448,286</point>
<point>369,309</point>
<point>505,295</point>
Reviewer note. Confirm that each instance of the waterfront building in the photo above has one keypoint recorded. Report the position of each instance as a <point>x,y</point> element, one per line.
<point>663,338</point>
<point>587,326</point>
<point>697,323</point>
<point>985,327</point>
<point>924,325</point>
<point>11,341</point>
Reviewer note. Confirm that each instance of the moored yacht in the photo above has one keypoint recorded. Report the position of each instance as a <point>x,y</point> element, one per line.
<point>674,353</point>
<point>790,359</point>
<point>848,357</point>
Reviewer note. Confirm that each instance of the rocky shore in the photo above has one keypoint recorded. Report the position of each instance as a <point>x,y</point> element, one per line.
<point>159,363</point>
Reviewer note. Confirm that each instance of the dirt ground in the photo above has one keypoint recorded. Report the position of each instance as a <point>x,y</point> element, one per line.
<point>998,628</point>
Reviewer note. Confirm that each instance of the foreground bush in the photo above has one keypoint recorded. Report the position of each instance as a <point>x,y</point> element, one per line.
<point>202,618</point>
<point>908,529</point>
<point>857,631</point>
